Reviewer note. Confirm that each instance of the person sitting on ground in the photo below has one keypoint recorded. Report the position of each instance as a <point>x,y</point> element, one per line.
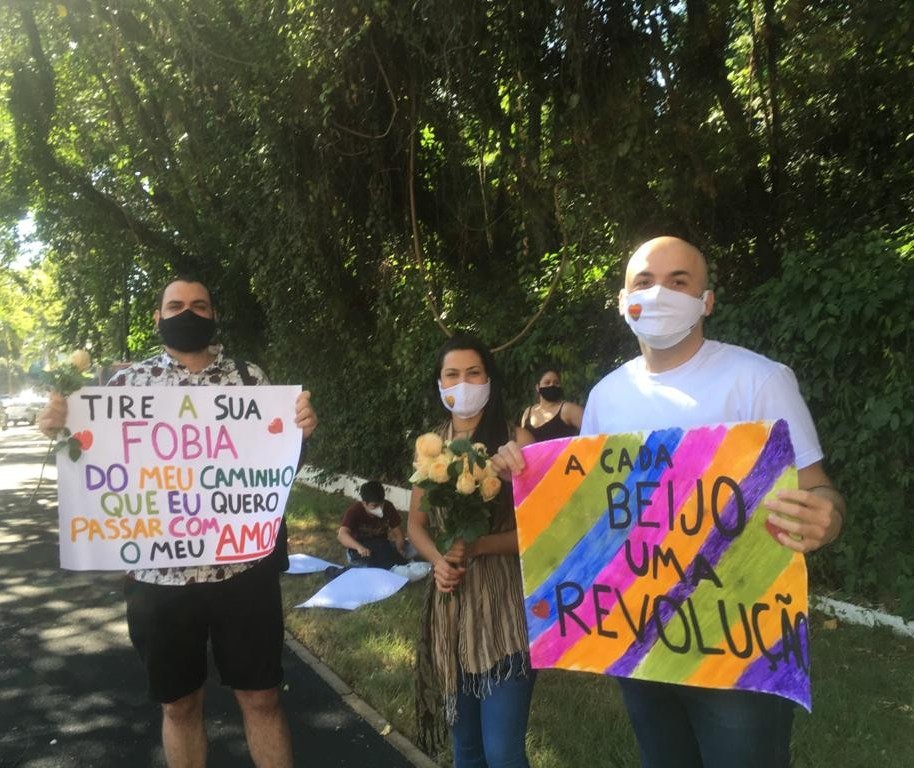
<point>371,531</point>
<point>551,416</point>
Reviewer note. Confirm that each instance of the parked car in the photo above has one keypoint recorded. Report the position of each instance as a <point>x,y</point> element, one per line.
<point>24,410</point>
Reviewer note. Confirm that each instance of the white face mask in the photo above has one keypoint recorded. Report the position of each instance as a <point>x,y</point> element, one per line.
<point>659,317</point>
<point>465,400</point>
<point>377,511</point>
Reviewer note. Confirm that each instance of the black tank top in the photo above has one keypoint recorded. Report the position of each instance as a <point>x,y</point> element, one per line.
<point>552,429</point>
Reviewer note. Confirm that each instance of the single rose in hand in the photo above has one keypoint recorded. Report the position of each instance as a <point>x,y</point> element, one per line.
<point>66,378</point>
<point>81,360</point>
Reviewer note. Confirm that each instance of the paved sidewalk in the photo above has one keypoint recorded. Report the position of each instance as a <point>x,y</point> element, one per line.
<point>71,687</point>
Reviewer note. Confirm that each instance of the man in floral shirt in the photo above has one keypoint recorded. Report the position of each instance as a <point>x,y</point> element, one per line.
<point>173,612</point>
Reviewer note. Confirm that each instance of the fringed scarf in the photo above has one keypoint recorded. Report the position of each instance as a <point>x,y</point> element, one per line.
<point>468,636</point>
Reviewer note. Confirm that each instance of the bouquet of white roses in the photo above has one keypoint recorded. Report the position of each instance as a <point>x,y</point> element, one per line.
<point>458,479</point>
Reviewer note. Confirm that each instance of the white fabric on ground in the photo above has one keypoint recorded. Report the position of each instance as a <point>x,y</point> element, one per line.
<point>356,587</point>
<point>307,564</point>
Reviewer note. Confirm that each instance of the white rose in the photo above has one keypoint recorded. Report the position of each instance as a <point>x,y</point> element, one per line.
<point>80,360</point>
<point>490,487</point>
<point>421,465</point>
<point>466,484</point>
<point>437,469</point>
<point>429,445</point>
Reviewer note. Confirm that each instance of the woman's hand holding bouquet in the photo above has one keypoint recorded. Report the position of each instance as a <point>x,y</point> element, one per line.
<point>460,491</point>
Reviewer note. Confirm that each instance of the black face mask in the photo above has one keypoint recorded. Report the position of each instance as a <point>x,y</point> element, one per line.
<point>552,394</point>
<point>187,332</point>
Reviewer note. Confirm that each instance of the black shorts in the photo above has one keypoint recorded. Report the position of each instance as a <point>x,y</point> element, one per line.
<point>242,617</point>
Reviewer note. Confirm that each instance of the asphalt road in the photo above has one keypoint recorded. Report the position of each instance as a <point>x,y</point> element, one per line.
<point>72,691</point>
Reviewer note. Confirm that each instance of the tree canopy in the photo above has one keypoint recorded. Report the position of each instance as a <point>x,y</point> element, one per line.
<point>353,178</point>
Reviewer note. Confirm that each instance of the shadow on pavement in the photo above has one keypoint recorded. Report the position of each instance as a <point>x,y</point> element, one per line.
<point>72,691</point>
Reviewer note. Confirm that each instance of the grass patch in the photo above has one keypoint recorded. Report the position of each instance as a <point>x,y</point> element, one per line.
<point>863,679</point>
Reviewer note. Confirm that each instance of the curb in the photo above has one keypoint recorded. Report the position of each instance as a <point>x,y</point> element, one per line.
<point>866,617</point>
<point>361,707</point>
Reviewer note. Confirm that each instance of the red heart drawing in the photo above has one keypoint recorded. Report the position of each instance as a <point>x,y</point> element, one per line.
<point>85,439</point>
<point>635,311</point>
<point>540,609</point>
<point>275,426</point>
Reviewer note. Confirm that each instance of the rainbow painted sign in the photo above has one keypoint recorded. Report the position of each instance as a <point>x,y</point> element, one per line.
<point>647,555</point>
<point>175,476</point>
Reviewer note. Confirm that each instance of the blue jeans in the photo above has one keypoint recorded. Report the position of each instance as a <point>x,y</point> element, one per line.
<point>679,726</point>
<point>490,732</point>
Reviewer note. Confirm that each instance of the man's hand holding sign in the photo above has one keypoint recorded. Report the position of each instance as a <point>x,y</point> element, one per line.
<point>647,555</point>
<point>804,519</point>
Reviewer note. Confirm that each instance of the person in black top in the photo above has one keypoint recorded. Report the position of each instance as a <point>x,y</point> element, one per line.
<point>551,416</point>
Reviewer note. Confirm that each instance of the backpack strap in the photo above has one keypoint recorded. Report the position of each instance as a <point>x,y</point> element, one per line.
<point>242,367</point>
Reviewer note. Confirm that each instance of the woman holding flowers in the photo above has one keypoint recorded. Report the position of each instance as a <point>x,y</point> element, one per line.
<point>473,664</point>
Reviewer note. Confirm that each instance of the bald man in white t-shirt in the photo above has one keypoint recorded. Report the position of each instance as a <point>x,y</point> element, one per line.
<point>685,380</point>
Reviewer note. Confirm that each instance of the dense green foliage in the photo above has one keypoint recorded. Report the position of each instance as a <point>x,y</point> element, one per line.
<point>337,171</point>
<point>842,320</point>
<point>28,313</point>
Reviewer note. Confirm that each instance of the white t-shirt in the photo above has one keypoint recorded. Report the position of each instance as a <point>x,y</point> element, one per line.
<point>720,384</point>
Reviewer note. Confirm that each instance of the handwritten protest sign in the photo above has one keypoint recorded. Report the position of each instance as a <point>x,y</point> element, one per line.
<point>175,476</point>
<point>647,555</point>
